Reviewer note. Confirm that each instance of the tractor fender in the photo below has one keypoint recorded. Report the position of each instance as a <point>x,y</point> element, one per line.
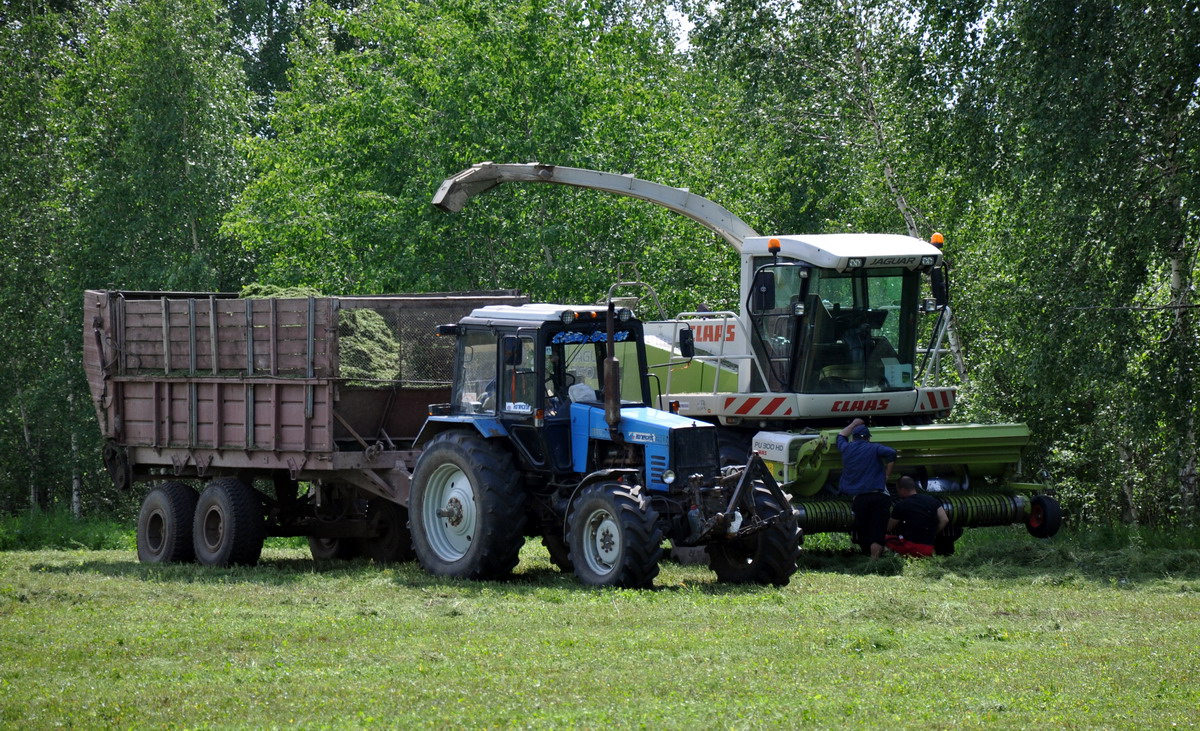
<point>488,427</point>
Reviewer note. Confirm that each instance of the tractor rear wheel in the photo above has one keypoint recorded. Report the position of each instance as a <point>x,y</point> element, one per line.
<point>766,557</point>
<point>392,542</point>
<point>164,526</point>
<point>614,537</point>
<point>467,508</point>
<point>334,549</point>
<point>1045,517</point>
<point>229,528</point>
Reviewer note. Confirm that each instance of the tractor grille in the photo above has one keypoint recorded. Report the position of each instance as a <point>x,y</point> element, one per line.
<point>694,451</point>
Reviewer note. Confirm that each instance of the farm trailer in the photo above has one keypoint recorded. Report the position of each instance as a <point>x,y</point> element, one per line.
<point>328,391</point>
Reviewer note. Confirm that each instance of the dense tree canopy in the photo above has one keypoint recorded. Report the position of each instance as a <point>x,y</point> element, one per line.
<point>201,144</point>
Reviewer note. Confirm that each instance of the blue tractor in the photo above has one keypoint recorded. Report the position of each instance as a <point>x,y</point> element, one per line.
<point>549,433</point>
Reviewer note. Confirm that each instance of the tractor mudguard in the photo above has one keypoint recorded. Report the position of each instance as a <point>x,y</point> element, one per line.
<point>487,426</point>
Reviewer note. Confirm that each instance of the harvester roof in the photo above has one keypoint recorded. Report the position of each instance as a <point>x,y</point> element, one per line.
<point>835,251</point>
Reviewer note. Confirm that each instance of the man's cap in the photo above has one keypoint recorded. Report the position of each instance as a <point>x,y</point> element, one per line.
<point>861,432</point>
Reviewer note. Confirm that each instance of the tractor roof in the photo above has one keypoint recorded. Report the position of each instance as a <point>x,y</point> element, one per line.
<point>534,313</point>
<point>834,251</point>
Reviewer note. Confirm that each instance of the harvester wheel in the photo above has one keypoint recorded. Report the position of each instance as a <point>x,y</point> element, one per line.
<point>767,557</point>
<point>229,527</point>
<point>560,555</point>
<point>1045,517</point>
<point>733,448</point>
<point>393,541</point>
<point>614,537</point>
<point>467,508</point>
<point>334,549</point>
<point>164,526</point>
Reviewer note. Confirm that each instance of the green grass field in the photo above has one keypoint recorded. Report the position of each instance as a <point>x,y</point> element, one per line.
<point>1082,631</point>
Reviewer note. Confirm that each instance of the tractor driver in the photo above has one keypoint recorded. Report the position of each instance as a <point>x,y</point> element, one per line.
<point>866,467</point>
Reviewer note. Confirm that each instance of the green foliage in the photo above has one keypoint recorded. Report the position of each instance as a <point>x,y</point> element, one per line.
<point>258,291</point>
<point>368,350</point>
<point>58,529</point>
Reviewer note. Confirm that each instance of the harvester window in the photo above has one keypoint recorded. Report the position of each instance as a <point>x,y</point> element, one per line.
<point>475,386</point>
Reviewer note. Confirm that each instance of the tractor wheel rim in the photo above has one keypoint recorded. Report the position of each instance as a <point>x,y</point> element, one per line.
<point>602,545</point>
<point>450,513</point>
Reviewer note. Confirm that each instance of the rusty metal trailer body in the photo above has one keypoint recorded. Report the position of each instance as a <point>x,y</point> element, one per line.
<point>329,391</point>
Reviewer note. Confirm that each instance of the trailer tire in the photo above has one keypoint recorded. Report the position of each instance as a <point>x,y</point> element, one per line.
<point>1045,517</point>
<point>334,549</point>
<point>560,554</point>
<point>614,537</point>
<point>767,557</point>
<point>164,526</point>
<point>467,508</point>
<point>229,526</point>
<point>393,544</point>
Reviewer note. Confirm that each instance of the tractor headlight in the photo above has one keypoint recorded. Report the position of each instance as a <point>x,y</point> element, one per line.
<point>567,317</point>
<point>624,314</point>
<point>668,476</point>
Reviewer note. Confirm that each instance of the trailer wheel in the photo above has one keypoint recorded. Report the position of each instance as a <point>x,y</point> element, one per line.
<point>164,526</point>
<point>614,537</point>
<point>334,549</point>
<point>393,542</point>
<point>1045,517</point>
<point>229,528</point>
<point>467,508</point>
<point>560,555</point>
<point>766,557</point>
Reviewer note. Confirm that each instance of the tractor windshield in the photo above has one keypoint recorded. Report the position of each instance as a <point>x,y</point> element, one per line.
<point>575,365</point>
<point>859,331</point>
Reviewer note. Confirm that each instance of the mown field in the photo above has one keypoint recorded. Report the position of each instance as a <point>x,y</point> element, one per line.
<point>1090,630</point>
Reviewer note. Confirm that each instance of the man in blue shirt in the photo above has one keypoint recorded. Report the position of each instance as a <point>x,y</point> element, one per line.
<point>866,467</point>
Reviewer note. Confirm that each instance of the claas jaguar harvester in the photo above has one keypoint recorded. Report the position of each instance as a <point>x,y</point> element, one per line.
<point>827,331</point>
<point>363,424</point>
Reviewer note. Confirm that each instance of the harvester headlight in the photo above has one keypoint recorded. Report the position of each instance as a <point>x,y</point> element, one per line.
<point>567,317</point>
<point>624,314</point>
<point>927,261</point>
<point>798,309</point>
<point>855,263</point>
<point>668,476</point>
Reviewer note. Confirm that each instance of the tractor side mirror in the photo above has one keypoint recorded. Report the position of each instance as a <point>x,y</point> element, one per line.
<point>687,343</point>
<point>762,297</point>
<point>510,348</point>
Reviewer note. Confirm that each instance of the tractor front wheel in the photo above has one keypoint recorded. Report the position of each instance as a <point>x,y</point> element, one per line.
<point>614,537</point>
<point>467,508</point>
<point>766,557</point>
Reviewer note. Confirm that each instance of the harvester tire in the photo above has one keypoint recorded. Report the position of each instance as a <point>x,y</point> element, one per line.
<point>614,536</point>
<point>164,526</point>
<point>467,508</point>
<point>393,541</point>
<point>767,557</point>
<point>560,555</point>
<point>334,549</point>
<point>229,527</point>
<point>1045,517</point>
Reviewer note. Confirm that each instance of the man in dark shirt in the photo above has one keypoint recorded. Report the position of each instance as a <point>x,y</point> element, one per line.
<point>916,520</point>
<point>865,469</point>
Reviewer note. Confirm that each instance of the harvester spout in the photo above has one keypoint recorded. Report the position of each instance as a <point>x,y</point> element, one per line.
<point>456,190</point>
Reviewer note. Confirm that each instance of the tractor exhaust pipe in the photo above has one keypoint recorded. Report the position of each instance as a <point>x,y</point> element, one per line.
<point>612,375</point>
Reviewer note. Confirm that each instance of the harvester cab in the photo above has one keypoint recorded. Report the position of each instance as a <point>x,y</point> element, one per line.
<point>828,330</point>
<point>550,432</point>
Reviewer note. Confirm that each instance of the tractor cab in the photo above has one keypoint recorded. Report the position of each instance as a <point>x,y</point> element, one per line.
<point>835,314</point>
